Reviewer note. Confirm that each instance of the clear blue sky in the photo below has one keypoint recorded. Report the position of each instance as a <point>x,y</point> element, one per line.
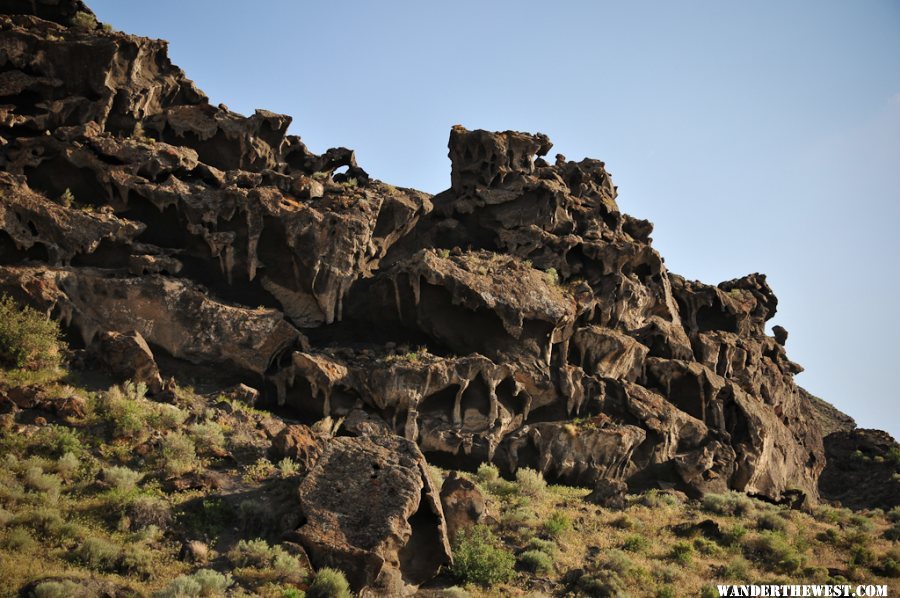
<point>757,136</point>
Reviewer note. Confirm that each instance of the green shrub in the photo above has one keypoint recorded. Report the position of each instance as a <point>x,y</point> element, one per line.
<point>183,586</point>
<point>56,441</point>
<point>656,499</point>
<point>894,515</point>
<point>258,471</point>
<point>67,466</point>
<point>487,473</point>
<point>830,536</point>
<point>828,514</point>
<point>44,483</point>
<point>861,522</point>
<point>536,561</point>
<point>67,198</point>
<point>329,583</point>
<point>635,543</point>
<point>84,20</point>
<point>709,592</point>
<point>666,573</point>
<point>178,454</point>
<point>774,552</point>
<point>46,521</point>
<point>557,523</point>
<point>545,546</point>
<point>18,540</point>
<point>732,503</point>
<point>666,592</point>
<point>284,566</point>
<point>861,555</point>
<point>167,417</point>
<point>889,567</point>
<point>287,467</point>
<point>479,559</point>
<point>121,479</point>
<point>502,488</point>
<point>737,569</point>
<point>733,535</point>
<point>618,561</point>
<point>893,533</point>
<point>97,553</point>
<point>603,584</point>
<point>212,583</point>
<point>552,276</point>
<point>771,522</point>
<point>135,560</point>
<point>28,338</point>
<point>251,553</point>
<point>530,482</point>
<point>146,511</point>
<point>272,561</point>
<point>124,409</point>
<point>682,553</point>
<point>707,547</point>
<point>57,589</point>
<point>517,517</point>
<point>208,437</point>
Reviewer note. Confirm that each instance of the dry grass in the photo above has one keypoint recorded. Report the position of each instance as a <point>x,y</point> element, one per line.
<point>666,562</point>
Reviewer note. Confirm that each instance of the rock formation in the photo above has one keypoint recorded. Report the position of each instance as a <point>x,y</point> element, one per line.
<point>518,317</point>
<point>372,510</point>
<point>554,335</point>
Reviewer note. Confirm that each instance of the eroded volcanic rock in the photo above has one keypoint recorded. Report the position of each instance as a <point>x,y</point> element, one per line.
<point>863,469</point>
<point>518,317</point>
<point>372,510</point>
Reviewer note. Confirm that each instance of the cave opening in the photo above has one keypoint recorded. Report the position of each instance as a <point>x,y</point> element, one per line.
<point>54,176</point>
<point>425,545</point>
<point>11,254</point>
<point>714,317</point>
<point>475,405</point>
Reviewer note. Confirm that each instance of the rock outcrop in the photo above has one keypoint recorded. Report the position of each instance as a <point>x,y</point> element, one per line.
<point>463,504</point>
<point>518,317</point>
<point>863,469</point>
<point>372,510</point>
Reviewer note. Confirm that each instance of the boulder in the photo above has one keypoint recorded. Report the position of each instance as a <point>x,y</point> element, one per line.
<point>371,510</point>
<point>128,357</point>
<point>463,504</point>
<point>609,494</point>
<point>299,443</point>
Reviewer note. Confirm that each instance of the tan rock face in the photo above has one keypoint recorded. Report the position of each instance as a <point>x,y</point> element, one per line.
<point>463,504</point>
<point>173,314</point>
<point>128,357</point>
<point>371,510</point>
<point>518,317</point>
<point>299,443</point>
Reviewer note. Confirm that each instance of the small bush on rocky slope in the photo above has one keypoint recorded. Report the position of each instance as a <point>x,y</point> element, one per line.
<point>28,338</point>
<point>329,583</point>
<point>479,558</point>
